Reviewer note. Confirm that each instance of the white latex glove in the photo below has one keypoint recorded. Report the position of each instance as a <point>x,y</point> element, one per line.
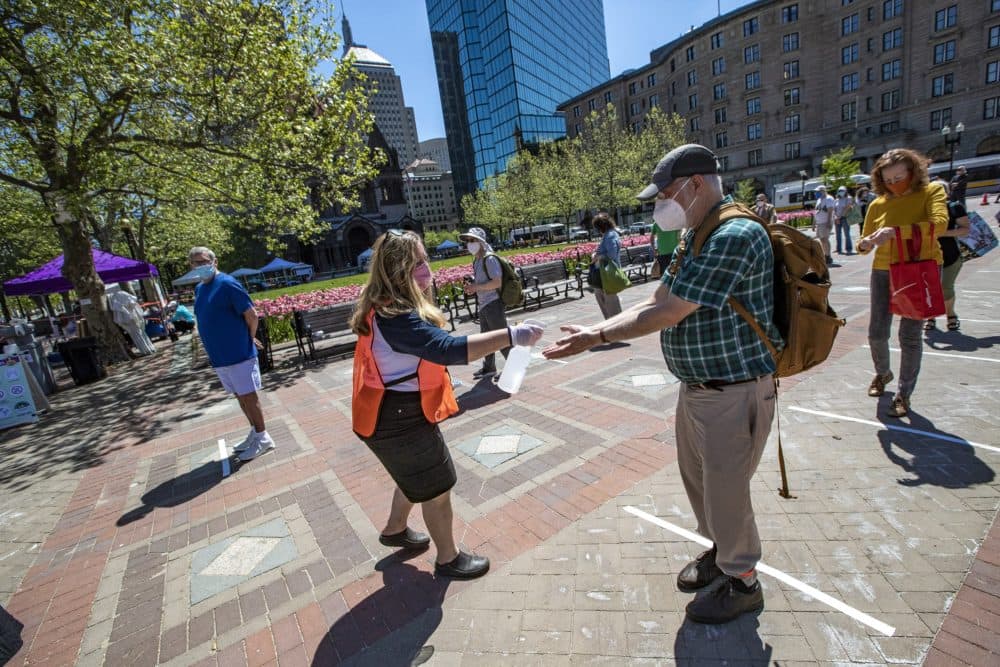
<point>525,334</point>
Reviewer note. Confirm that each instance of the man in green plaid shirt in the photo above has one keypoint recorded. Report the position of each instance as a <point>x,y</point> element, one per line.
<point>726,399</point>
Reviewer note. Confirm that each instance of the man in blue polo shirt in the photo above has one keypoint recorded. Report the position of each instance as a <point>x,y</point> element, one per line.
<point>227,325</point>
<point>726,397</point>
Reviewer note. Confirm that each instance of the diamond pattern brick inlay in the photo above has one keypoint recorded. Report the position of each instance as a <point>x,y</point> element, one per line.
<point>652,380</point>
<point>498,444</point>
<point>242,556</point>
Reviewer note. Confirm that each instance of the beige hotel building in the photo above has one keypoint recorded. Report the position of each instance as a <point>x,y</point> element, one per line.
<point>773,87</point>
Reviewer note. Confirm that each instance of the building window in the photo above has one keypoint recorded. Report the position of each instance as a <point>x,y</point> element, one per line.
<point>791,96</point>
<point>637,127</point>
<point>692,77</point>
<point>892,9</point>
<point>849,54</point>
<point>751,26</point>
<point>850,82</point>
<point>793,150</point>
<point>995,6</point>
<point>890,100</point>
<point>889,128</point>
<point>753,106</point>
<point>944,52</point>
<point>717,41</point>
<point>849,111</point>
<point>849,24</point>
<point>892,39</point>
<point>576,111</point>
<point>892,70</point>
<point>591,104</point>
<point>940,118</point>
<point>607,97</point>
<point>651,79</point>
<point>755,158</point>
<point>946,18</point>
<point>631,88</point>
<point>790,42</point>
<point>633,109</point>
<point>943,85</point>
<point>719,92</point>
<point>693,102</point>
<point>654,101</point>
<point>753,80</point>
<point>724,163</point>
<point>721,139</point>
<point>753,132</point>
<point>792,123</point>
<point>791,70</point>
<point>720,115</point>
<point>751,54</point>
<point>689,53</point>
<point>993,71</point>
<point>790,14</point>
<point>991,108</point>
<point>673,65</point>
<point>694,124</point>
<point>718,66</point>
<point>576,128</point>
<point>994,37</point>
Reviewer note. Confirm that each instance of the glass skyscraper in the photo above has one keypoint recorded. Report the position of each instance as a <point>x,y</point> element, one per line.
<point>503,66</point>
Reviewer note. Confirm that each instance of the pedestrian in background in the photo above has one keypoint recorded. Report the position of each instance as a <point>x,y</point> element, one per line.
<point>765,210</point>
<point>609,250</point>
<point>727,394</point>
<point>487,276</point>
<point>402,389</point>
<point>663,243</point>
<point>958,226</point>
<point>906,197</point>
<point>227,326</point>
<point>959,182</point>
<point>823,220</point>
<point>842,208</point>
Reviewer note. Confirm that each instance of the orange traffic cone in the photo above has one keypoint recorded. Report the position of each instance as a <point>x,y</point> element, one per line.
<point>985,200</point>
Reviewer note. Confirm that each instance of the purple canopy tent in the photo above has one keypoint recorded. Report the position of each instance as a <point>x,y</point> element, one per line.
<point>48,278</point>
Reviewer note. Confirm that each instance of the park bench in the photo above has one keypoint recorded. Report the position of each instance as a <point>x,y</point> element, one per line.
<point>448,304</point>
<point>636,261</point>
<point>331,324</point>
<point>549,281</point>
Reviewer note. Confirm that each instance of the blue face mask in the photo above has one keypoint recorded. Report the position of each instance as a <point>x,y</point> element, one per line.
<point>203,273</point>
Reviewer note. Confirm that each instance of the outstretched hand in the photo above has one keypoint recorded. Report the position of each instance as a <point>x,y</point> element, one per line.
<point>579,340</point>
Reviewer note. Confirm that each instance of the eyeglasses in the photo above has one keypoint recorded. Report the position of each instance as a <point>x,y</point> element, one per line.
<point>396,232</point>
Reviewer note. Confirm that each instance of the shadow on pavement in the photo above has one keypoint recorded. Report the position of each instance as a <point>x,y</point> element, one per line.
<point>176,491</point>
<point>409,601</point>
<point>10,636</point>
<point>956,341</point>
<point>952,465</point>
<point>484,392</point>
<point>736,642</point>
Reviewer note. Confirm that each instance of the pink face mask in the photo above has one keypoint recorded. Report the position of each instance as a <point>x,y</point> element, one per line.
<point>422,275</point>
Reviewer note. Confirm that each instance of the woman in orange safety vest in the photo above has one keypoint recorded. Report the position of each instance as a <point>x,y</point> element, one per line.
<point>402,390</point>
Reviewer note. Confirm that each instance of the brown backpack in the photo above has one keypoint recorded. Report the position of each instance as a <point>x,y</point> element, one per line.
<point>802,311</point>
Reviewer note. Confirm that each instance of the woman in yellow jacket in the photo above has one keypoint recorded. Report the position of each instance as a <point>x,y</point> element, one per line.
<point>905,198</point>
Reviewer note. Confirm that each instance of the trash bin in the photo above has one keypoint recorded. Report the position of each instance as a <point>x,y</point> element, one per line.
<point>82,359</point>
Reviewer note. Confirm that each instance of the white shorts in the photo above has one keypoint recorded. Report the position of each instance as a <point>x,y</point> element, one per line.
<point>240,379</point>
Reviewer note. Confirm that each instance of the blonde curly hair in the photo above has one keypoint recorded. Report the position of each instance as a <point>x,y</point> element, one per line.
<point>914,161</point>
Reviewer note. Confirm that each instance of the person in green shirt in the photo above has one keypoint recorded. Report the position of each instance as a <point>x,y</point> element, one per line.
<point>663,245</point>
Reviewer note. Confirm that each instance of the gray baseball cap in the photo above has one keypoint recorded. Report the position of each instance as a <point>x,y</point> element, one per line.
<point>686,160</point>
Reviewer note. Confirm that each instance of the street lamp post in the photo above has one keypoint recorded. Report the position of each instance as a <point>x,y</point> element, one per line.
<point>803,175</point>
<point>952,139</point>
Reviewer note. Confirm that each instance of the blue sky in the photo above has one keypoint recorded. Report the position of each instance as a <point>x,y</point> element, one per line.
<point>397,29</point>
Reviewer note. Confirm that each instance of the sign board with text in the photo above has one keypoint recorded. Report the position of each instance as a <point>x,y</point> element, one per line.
<point>16,404</point>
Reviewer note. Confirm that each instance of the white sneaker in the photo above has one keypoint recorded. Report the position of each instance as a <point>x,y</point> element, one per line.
<point>245,445</point>
<point>261,445</point>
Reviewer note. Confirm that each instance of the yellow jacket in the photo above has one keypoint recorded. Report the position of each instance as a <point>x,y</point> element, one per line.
<point>924,207</point>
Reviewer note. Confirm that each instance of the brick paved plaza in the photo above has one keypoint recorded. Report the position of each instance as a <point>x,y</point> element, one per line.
<point>121,543</point>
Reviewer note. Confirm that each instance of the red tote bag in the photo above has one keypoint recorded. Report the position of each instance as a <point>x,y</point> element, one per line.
<point>915,285</point>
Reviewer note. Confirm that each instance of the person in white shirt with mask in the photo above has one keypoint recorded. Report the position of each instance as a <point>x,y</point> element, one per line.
<point>823,216</point>
<point>486,279</point>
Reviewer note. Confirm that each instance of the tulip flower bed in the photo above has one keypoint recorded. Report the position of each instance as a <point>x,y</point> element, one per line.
<point>797,218</point>
<point>449,279</point>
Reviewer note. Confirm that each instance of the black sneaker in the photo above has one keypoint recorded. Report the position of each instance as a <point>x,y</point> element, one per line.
<point>465,566</point>
<point>484,373</point>
<point>408,539</point>
<point>700,572</point>
<point>726,603</point>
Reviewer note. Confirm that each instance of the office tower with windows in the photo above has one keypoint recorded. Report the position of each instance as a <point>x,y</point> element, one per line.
<point>503,66</point>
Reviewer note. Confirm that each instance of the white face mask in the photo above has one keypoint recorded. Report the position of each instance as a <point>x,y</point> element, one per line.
<point>474,247</point>
<point>668,214</point>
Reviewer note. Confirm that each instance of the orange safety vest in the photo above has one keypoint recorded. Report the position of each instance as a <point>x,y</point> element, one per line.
<point>436,395</point>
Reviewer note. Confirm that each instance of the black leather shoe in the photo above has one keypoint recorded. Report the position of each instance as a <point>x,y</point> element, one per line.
<point>700,572</point>
<point>484,373</point>
<point>408,539</point>
<point>465,566</point>
<point>726,603</point>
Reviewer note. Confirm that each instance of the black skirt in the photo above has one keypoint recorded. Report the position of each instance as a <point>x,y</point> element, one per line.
<point>411,448</point>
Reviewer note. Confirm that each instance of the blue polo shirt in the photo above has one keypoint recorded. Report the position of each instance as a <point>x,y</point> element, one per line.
<point>219,306</point>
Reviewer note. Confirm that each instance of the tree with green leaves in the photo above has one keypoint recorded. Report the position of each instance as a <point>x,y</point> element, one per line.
<point>838,167</point>
<point>156,111</point>
<point>745,192</point>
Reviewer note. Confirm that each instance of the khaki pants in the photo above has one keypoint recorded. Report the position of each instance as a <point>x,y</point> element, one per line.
<point>720,438</point>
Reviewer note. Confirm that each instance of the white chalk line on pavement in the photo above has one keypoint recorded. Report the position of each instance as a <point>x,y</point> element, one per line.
<point>811,591</point>
<point>965,319</point>
<point>946,354</point>
<point>224,457</point>
<point>893,427</point>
